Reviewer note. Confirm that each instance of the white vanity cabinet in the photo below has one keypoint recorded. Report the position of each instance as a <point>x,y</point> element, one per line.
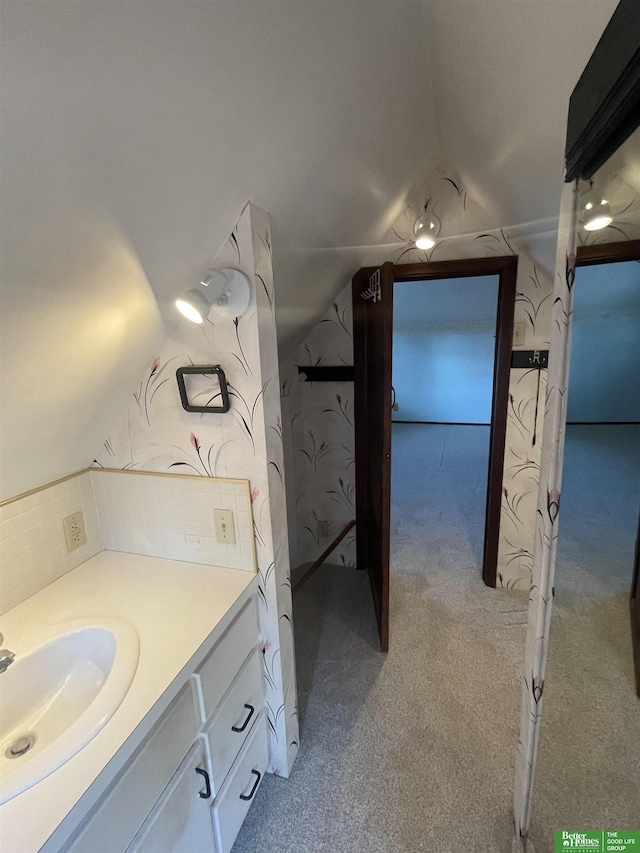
<point>190,783</point>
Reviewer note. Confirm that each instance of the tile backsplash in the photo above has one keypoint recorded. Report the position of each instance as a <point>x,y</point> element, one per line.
<point>161,516</point>
<point>171,516</point>
<point>33,552</point>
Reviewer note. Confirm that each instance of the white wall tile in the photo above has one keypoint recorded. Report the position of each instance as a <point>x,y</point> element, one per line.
<point>172,517</point>
<point>33,552</point>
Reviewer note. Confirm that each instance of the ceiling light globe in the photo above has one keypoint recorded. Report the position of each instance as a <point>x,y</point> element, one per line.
<point>595,211</point>
<point>425,241</point>
<point>425,229</point>
<point>597,223</point>
<point>598,216</point>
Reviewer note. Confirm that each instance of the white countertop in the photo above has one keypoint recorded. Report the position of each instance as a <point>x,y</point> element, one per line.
<point>174,607</point>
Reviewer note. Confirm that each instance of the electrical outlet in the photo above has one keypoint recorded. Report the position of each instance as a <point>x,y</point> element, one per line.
<point>323,530</point>
<point>519,334</point>
<point>225,533</point>
<point>74,531</point>
<point>395,407</point>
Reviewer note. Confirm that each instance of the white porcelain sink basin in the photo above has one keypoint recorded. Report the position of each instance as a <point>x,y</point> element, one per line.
<point>65,683</point>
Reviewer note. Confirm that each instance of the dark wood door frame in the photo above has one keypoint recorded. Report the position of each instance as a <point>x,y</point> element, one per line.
<point>506,268</point>
<point>372,337</point>
<point>608,253</point>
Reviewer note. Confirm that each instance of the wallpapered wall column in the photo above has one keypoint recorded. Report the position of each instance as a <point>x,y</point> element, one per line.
<point>156,434</point>
<point>323,435</point>
<point>541,592</point>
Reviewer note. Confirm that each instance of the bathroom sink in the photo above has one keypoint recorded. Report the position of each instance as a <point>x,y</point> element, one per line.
<point>64,685</point>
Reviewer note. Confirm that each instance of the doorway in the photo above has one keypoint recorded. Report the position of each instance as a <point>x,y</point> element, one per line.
<point>373,335</point>
<point>443,375</point>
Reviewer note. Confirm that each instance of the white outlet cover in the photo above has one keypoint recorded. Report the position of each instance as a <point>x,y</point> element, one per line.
<point>74,531</point>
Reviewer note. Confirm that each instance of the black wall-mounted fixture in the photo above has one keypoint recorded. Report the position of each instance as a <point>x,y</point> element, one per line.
<point>530,359</point>
<point>338,373</point>
<point>221,395</point>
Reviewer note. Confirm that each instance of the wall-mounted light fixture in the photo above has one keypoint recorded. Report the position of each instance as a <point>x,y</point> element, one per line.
<point>426,228</point>
<point>228,291</point>
<point>595,211</point>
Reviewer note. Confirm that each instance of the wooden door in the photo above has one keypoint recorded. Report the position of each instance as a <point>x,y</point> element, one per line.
<point>635,611</point>
<point>372,336</point>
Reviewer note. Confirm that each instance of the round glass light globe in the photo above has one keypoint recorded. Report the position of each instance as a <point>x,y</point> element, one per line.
<point>425,229</point>
<point>425,241</point>
<point>595,211</point>
<point>598,216</point>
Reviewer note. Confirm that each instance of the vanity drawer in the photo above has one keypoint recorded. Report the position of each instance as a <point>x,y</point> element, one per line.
<point>234,718</point>
<point>232,804</point>
<point>218,670</point>
<point>133,794</point>
<point>180,822</point>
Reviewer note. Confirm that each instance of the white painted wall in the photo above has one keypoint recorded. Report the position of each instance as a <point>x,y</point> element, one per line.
<point>503,72</point>
<point>133,135</point>
<point>77,316</point>
<point>444,375</point>
<point>443,349</point>
<point>604,384</point>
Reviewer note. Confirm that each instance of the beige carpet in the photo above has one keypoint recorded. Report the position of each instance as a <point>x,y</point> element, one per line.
<point>413,751</point>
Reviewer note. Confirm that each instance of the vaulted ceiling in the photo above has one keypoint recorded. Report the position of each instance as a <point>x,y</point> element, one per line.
<point>134,131</point>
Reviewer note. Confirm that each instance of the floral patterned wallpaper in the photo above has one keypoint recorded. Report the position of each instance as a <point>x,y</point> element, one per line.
<point>157,434</point>
<point>323,437</point>
<point>324,441</point>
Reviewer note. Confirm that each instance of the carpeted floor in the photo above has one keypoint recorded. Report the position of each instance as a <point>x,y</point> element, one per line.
<point>588,774</point>
<point>412,751</point>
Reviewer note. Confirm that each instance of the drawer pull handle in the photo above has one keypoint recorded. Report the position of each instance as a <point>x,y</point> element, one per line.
<point>241,728</point>
<point>255,785</point>
<point>207,784</point>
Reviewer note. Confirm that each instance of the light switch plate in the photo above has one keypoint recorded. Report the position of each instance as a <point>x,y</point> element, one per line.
<point>74,531</point>
<point>519,334</point>
<point>225,532</point>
